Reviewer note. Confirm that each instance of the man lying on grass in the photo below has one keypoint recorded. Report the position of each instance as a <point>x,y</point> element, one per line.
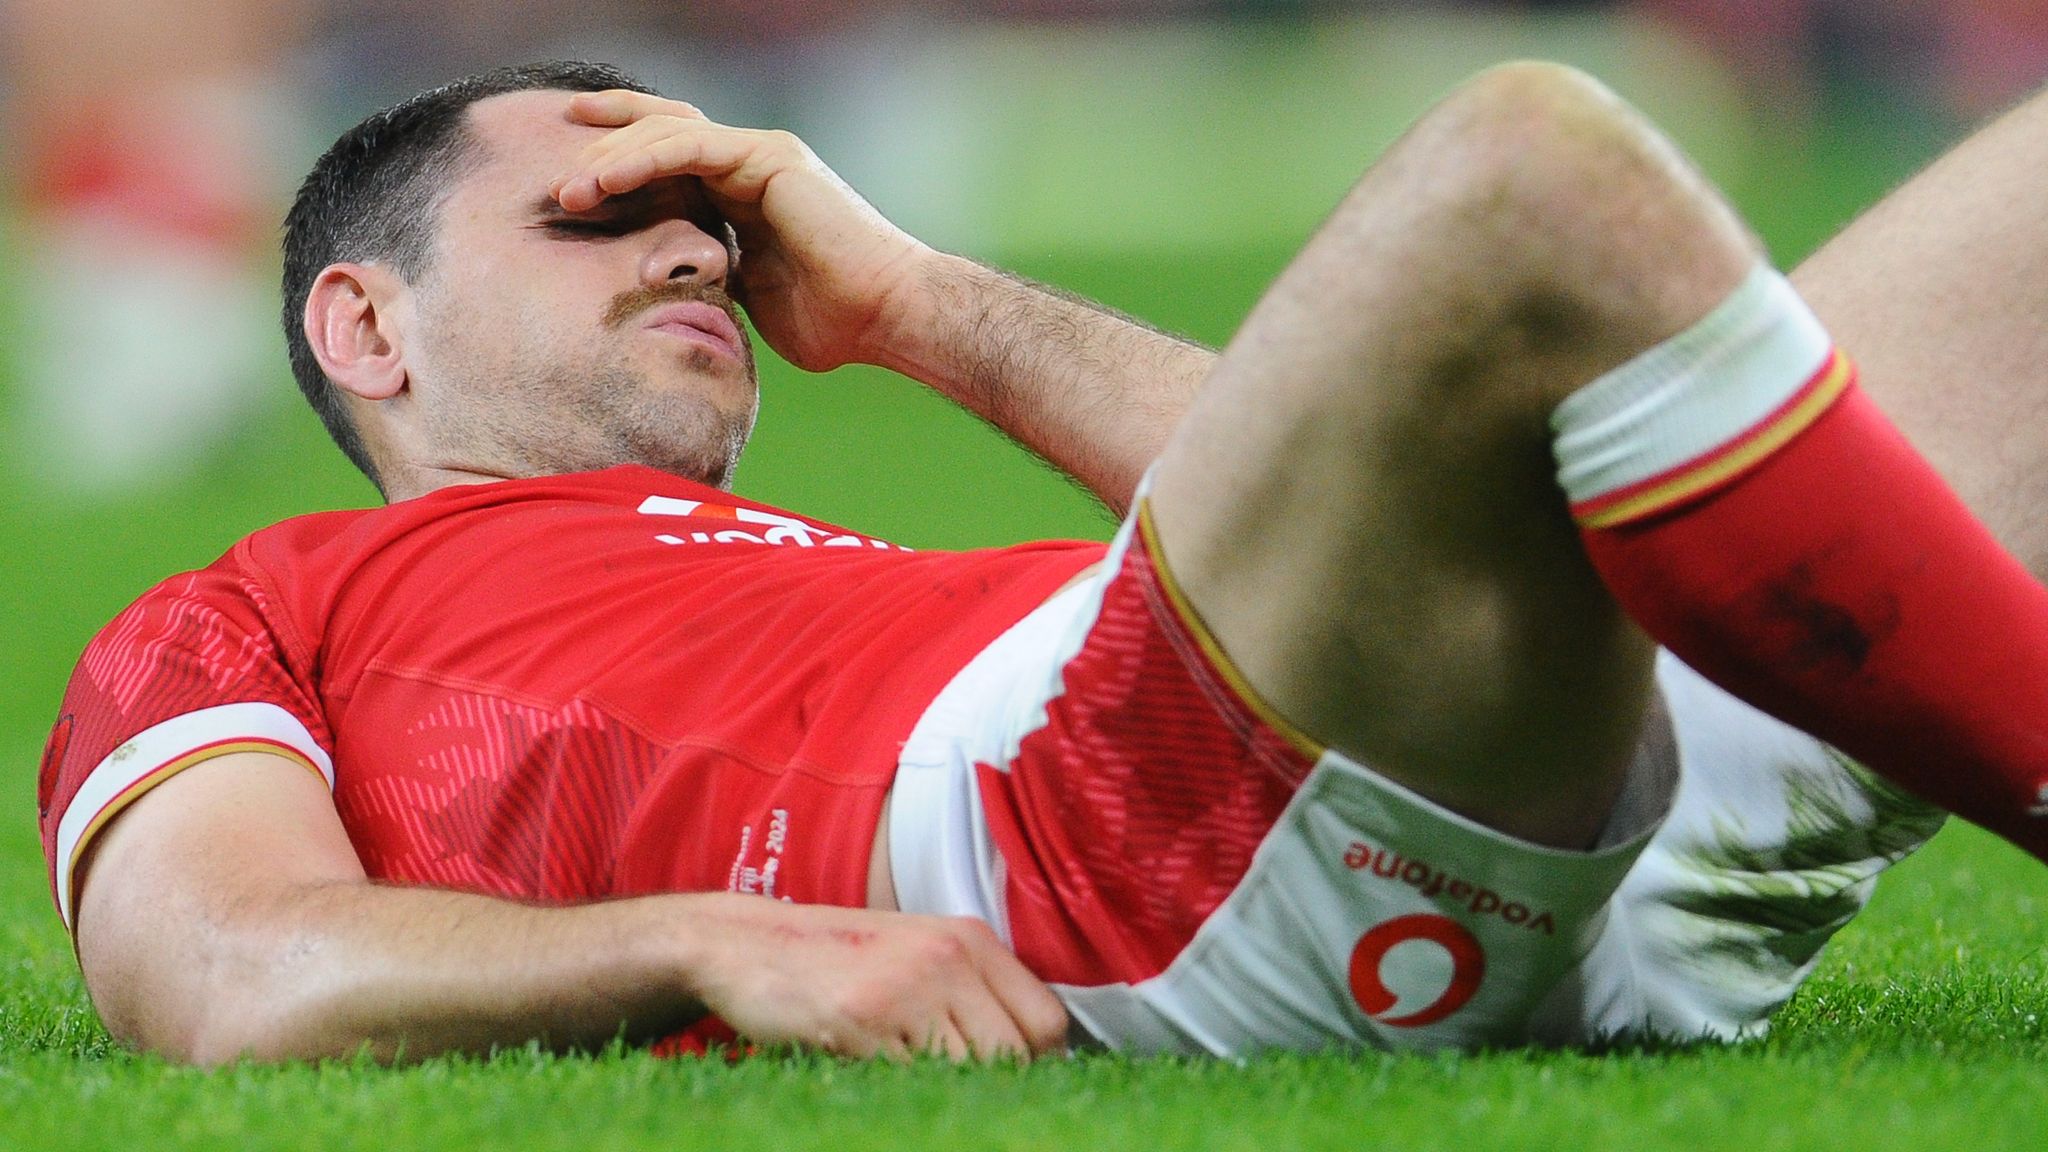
<point>1353,736</point>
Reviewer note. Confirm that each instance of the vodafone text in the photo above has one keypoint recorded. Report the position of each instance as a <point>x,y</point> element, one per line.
<point>762,527</point>
<point>1433,882</point>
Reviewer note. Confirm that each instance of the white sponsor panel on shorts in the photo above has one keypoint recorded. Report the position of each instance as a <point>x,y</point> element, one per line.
<point>1274,967</point>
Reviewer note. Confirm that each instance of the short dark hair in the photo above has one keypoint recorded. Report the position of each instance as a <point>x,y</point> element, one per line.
<point>373,197</point>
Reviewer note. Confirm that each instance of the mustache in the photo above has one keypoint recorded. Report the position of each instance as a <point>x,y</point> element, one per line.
<point>633,302</point>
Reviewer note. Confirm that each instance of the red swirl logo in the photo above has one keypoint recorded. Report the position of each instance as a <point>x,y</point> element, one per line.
<point>1369,983</point>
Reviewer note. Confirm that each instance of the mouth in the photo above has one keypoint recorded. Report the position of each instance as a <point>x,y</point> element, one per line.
<point>700,323</point>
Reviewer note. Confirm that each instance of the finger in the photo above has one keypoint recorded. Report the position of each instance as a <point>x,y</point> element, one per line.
<point>857,1042</point>
<point>990,1032</point>
<point>639,134</point>
<point>765,151</point>
<point>742,159</point>
<point>1040,1018</point>
<point>617,106</point>
<point>946,1039</point>
<point>652,122</point>
<point>615,144</point>
<point>772,153</point>
<point>896,1050</point>
<point>714,156</point>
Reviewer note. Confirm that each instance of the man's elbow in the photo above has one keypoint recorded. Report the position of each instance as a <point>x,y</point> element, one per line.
<point>248,1000</point>
<point>228,1033</point>
<point>222,1037</point>
<point>232,1032</point>
<point>203,1026</point>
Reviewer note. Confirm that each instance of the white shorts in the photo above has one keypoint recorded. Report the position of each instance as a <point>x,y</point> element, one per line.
<point>1368,916</point>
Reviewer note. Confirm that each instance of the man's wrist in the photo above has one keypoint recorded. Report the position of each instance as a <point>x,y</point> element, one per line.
<point>705,942</point>
<point>927,319</point>
<point>682,946</point>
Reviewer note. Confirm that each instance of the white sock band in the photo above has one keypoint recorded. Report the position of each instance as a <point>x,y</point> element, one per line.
<point>1689,399</point>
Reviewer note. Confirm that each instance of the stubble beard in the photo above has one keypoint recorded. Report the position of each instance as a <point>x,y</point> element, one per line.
<point>679,432</point>
<point>552,421</point>
<point>617,418</point>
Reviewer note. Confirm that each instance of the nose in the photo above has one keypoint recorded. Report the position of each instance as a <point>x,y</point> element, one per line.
<point>683,251</point>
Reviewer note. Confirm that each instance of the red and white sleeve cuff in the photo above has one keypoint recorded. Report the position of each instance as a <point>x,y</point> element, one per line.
<point>163,751</point>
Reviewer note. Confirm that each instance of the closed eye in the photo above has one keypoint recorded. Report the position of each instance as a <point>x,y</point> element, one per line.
<point>584,228</point>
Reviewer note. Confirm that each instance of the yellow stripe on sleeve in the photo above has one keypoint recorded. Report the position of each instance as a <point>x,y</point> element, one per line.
<point>155,776</point>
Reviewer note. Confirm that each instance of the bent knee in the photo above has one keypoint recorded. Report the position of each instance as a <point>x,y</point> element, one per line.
<point>1589,234</point>
<point>1555,166</point>
<point>1515,126</point>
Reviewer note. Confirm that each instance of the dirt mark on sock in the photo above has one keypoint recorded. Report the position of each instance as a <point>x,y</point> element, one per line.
<point>1817,635</point>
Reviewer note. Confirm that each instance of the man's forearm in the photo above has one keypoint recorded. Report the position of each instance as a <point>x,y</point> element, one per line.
<point>404,973</point>
<point>1094,392</point>
<point>226,915</point>
<point>340,968</point>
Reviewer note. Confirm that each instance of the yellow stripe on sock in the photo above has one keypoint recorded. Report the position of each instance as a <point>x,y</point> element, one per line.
<point>1728,461</point>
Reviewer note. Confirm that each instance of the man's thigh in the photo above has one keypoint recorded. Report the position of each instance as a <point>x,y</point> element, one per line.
<point>1096,787</point>
<point>1361,503</point>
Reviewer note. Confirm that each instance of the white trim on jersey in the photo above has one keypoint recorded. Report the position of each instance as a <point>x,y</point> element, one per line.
<point>162,751</point>
<point>941,853</point>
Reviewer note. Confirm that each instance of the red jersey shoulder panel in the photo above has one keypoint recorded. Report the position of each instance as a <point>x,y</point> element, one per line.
<point>191,670</point>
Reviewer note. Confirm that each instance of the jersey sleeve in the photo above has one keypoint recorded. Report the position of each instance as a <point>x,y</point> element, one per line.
<point>197,668</point>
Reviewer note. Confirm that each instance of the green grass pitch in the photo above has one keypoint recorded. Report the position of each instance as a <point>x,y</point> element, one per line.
<point>1924,1028</point>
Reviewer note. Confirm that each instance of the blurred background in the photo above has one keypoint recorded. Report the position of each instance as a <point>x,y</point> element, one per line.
<point>1163,155</point>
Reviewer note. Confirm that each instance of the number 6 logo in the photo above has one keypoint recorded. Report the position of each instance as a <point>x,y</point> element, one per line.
<point>1369,985</point>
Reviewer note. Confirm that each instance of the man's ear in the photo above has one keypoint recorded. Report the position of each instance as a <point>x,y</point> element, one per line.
<point>352,324</point>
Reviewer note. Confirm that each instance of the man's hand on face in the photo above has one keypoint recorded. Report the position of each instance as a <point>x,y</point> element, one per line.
<point>821,266</point>
<point>856,982</point>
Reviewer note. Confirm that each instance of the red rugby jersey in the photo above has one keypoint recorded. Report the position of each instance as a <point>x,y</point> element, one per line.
<point>555,689</point>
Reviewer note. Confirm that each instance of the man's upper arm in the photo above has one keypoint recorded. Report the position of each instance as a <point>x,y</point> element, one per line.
<point>174,889</point>
<point>191,728</point>
<point>194,670</point>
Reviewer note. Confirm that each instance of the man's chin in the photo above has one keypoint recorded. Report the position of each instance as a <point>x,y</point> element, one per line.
<point>688,436</point>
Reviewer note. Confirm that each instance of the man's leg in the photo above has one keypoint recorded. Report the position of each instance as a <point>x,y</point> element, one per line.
<point>1401,590</point>
<point>1361,504</point>
<point>1941,291</point>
